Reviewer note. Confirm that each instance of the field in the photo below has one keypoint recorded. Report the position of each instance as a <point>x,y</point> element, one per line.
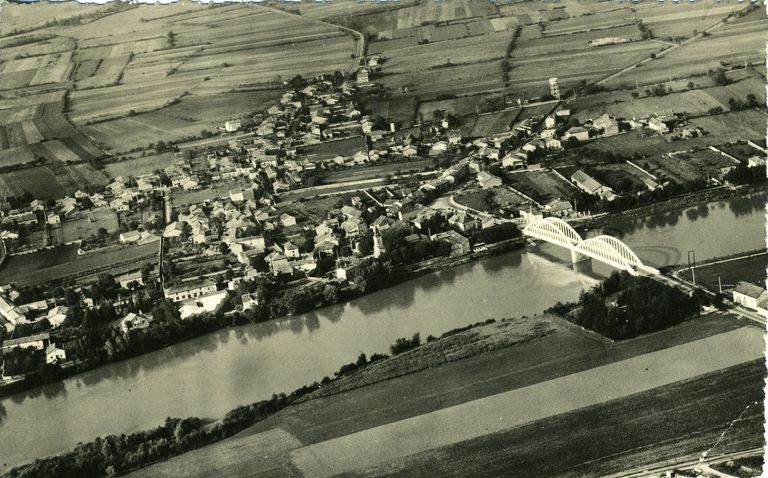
<point>141,74</point>
<point>695,102</point>
<point>399,110</point>
<point>140,165</point>
<point>729,45</point>
<point>86,224</point>
<point>64,262</point>
<point>493,123</point>
<point>564,352</point>
<point>52,181</point>
<point>331,149</point>
<point>750,269</point>
<point>543,186</point>
<point>502,197</point>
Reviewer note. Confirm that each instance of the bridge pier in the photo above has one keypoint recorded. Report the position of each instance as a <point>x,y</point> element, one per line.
<point>577,257</point>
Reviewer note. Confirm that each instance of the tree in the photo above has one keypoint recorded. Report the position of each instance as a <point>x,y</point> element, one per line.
<point>331,294</point>
<point>752,101</point>
<point>719,77</point>
<point>691,85</point>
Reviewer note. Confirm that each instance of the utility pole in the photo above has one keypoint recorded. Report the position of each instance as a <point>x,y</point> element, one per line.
<point>693,269</point>
<point>719,285</point>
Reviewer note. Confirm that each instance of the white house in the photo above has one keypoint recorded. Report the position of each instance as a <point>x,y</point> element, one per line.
<point>54,354</point>
<point>57,315</point>
<point>232,125</point>
<point>747,294</point>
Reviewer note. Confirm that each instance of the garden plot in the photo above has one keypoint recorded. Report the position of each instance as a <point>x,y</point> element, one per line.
<point>494,123</point>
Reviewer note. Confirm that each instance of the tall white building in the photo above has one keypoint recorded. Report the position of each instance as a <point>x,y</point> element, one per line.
<point>554,90</point>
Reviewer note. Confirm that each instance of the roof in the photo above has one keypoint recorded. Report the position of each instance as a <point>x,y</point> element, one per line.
<point>585,180</point>
<point>185,286</point>
<point>26,340</point>
<point>750,290</point>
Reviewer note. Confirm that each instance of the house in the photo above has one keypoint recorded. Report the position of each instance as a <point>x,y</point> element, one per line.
<point>410,151</point>
<point>190,290</point>
<point>54,354</point>
<point>362,76</point>
<point>57,315</point>
<point>291,250</point>
<point>287,219</point>
<point>232,125</point>
<point>463,221</point>
<point>278,263</point>
<point>488,180</point>
<point>459,244</point>
<point>549,122</point>
<point>657,125</point>
<point>10,312</point>
<point>133,322</point>
<point>578,132</point>
<point>130,236</point>
<point>554,144</point>
<point>559,208</point>
<point>126,280</point>
<point>590,186</point>
<point>747,295</point>
<point>608,125</point>
<point>513,161</point>
<point>249,301</point>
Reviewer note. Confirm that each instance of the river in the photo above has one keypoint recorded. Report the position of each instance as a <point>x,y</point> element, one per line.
<point>208,376</point>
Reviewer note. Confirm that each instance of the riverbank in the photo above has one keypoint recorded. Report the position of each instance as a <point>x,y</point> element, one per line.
<point>197,326</point>
<point>698,198</point>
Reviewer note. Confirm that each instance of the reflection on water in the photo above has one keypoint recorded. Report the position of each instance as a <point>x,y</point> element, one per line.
<point>210,375</point>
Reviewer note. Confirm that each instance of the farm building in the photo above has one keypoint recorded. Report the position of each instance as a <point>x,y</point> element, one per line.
<point>232,125</point>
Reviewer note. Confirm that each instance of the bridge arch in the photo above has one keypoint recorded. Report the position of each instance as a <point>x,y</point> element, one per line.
<point>553,229</point>
<point>604,248</point>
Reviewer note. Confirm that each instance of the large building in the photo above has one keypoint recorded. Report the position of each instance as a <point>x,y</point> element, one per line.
<point>190,290</point>
<point>589,185</point>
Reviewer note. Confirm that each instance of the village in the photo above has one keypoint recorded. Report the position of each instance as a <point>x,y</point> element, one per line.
<point>218,221</point>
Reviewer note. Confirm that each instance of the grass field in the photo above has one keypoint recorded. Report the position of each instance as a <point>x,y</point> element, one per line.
<point>751,269</point>
<point>543,186</point>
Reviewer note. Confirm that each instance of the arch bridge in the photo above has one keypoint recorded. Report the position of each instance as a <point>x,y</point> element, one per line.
<point>606,249</point>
